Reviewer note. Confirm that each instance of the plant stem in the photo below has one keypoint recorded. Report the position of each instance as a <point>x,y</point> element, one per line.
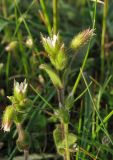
<point>21,138</point>
<point>26,154</point>
<point>64,126</point>
<point>87,53</point>
<point>103,37</point>
<point>55,15</point>
<point>20,131</point>
<point>66,141</point>
<point>48,25</point>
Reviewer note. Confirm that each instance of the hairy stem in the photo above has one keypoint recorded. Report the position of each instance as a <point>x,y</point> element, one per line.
<point>66,141</point>
<point>26,154</point>
<point>64,127</point>
<point>21,138</point>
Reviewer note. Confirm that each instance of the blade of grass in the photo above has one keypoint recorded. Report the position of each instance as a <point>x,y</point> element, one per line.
<point>103,38</point>
<point>55,16</point>
<point>48,25</point>
<point>104,129</point>
<point>87,53</point>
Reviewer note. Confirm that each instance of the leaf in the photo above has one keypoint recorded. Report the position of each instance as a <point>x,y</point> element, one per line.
<point>57,135</point>
<point>53,76</point>
<point>3,23</point>
<point>69,102</point>
<point>71,139</point>
<point>62,114</point>
<point>60,141</point>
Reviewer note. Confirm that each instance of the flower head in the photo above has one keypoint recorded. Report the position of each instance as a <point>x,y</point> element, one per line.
<point>55,50</point>
<point>29,42</point>
<point>51,41</point>
<point>20,89</point>
<point>7,119</point>
<point>82,38</point>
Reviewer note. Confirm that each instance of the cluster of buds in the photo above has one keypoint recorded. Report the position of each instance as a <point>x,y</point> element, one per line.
<point>14,113</point>
<point>20,103</point>
<point>20,90</point>
<point>55,51</point>
<point>29,42</point>
<point>82,38</point>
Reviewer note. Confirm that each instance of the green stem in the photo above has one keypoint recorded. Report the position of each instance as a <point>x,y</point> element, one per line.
<point>87,53</point>
<point>64,126</point>
<point>48,25</point>
<point>20,131</point>
<point>26,154</point>
<point>55,15</point>
<point>66,141</point>
<point>7,70</point>
<point>103,37</point>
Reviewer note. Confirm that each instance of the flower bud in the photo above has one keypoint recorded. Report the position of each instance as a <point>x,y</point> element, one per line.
<point>29,42</point>
<point>53,76</point>
<point>7,119</point>
<point>11,46</point>
<point>82,38</point>
<point>51,45</point>
<point>20,90</point>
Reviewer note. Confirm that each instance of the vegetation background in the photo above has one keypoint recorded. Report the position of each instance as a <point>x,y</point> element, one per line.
<point>92,114</point>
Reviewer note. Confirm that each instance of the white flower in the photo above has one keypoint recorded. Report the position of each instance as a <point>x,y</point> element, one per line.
<point>51,41</point>
<point>29,42</point>
<point>6,126</point>
<point>20,88</point>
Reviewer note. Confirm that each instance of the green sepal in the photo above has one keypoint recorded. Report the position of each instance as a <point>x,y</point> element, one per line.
<point>19,96</point>
<point>19,117</point>
<point>53,76</point>
<point>12,99</point>
<point>24,105</point>
<point>59,61</point>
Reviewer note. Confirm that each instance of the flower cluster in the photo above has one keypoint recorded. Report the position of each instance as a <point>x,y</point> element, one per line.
<point>55,51</point>
<point>82,38</point>
<point>20,103</point>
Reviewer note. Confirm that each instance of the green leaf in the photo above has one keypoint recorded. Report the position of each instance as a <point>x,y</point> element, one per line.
<point>53,76</point>
<point>71,139</point>
<point>57,135</point>
<point>62,114</point>
<point>69,102</point>
<point>60,141</point>
<point>23,141</point>
<point>3,23</point>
